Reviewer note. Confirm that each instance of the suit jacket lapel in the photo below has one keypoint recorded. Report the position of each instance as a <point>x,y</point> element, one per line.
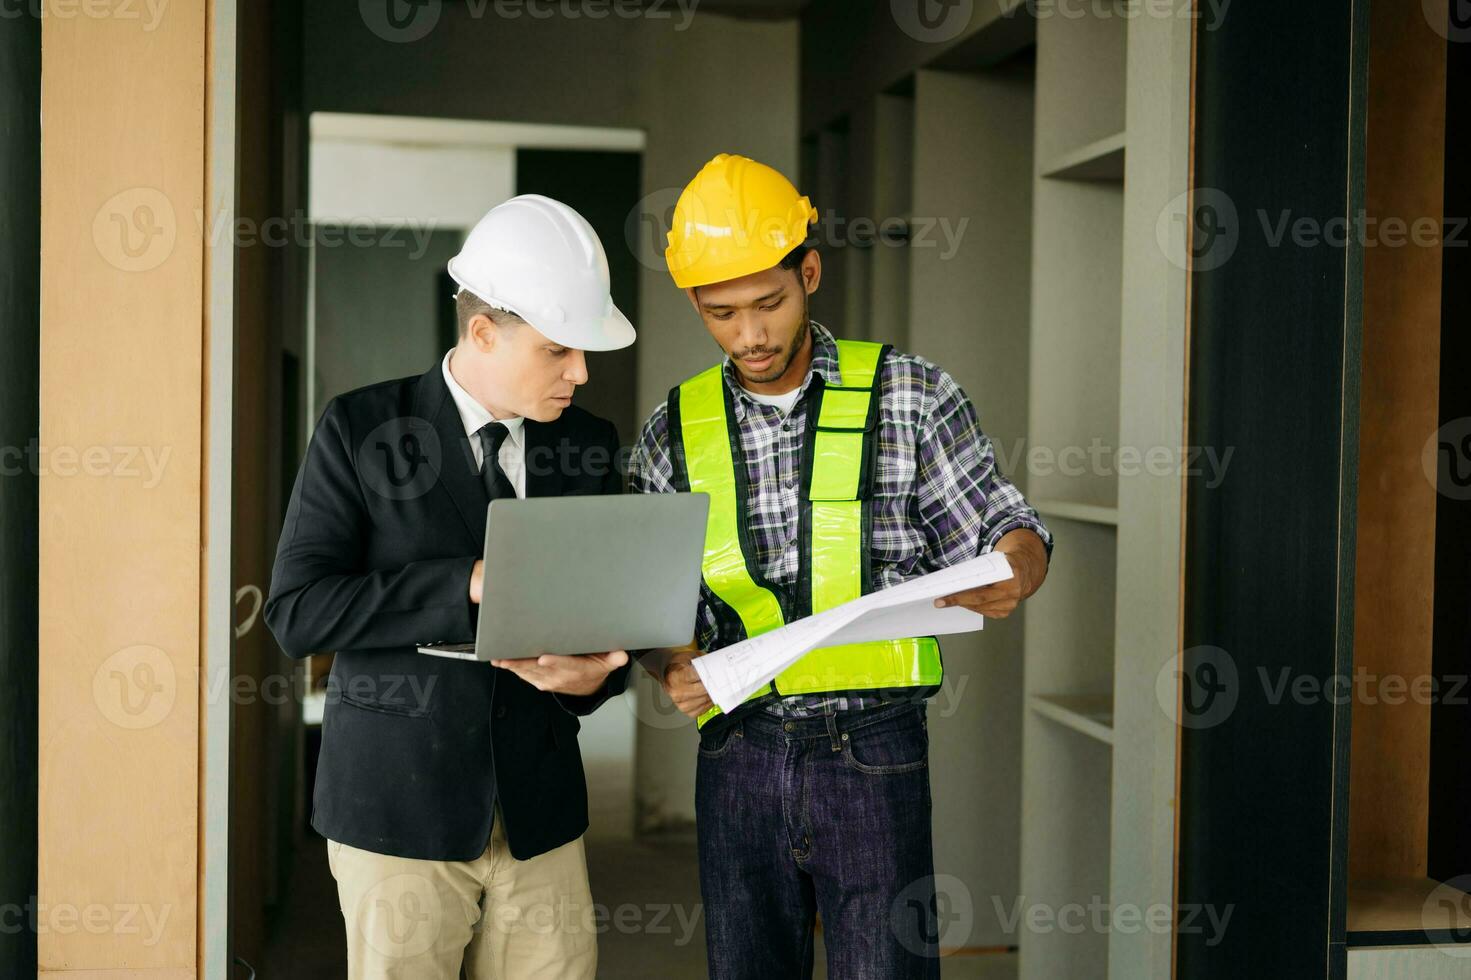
<point>543,464</point>
<point>458,472</point>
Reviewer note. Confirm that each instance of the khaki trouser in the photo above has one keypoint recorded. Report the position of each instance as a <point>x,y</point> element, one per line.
<point>504,919</point>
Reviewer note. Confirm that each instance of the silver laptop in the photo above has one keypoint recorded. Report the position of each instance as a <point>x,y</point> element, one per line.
<point>585,574</point>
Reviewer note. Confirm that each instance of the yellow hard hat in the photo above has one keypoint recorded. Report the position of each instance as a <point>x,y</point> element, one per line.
<point>737,217</point>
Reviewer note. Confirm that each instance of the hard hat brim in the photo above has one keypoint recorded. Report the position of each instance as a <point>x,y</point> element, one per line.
<point>610,332</point>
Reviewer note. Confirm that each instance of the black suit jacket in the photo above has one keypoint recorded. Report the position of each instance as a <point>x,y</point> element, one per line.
<point>386,520</point>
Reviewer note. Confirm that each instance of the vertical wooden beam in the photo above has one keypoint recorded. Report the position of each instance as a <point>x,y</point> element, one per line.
<point>121,499</point>
<point>1273,378</point>
<point>1405,172</point>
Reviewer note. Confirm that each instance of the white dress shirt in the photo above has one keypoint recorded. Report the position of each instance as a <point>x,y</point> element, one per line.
<point>475,416</point>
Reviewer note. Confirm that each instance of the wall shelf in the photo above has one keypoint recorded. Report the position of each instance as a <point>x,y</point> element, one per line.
<point>1101,160</point>
<point>1406,911</point>
<point>1091,513</point>
<point>1106,331</point>
<point>1092,715</point>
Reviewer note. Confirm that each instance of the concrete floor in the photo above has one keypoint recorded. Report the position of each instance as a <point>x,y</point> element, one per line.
<point>650,889</point>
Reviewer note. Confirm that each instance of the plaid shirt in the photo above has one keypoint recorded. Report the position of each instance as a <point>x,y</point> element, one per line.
<point>938,495</point>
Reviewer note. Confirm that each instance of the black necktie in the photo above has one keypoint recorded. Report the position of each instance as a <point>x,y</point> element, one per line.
<point>497,484</point>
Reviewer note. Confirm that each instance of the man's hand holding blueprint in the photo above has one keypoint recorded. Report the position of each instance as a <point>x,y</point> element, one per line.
<point>733,673</point>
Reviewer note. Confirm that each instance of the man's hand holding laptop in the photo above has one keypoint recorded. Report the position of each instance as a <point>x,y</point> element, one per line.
<point>582,674</point>
<point>578,673</point>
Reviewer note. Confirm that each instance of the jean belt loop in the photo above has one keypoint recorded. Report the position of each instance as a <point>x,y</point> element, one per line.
<point>834,737</point>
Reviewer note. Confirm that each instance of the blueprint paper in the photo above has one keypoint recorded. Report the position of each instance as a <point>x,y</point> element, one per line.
<point>732,674</point>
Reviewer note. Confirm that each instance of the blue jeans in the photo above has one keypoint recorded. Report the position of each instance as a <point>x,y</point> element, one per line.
<point>827,815</point>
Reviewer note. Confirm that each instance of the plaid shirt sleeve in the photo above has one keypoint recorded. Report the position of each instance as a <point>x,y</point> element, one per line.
<point>650,470</point>
<point>965,503</point>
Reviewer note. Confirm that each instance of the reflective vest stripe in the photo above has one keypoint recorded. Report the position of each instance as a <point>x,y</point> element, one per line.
<point>710,465</point>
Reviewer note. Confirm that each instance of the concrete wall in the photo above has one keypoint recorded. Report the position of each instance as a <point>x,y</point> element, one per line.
<point>666,75</point>
<point>20,250</point>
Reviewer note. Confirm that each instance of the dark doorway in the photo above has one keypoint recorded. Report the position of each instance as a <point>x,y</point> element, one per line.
<point>602,186</point>
<point>20,255</point>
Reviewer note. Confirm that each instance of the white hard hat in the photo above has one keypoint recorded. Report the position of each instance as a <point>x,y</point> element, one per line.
<point>542,261</point>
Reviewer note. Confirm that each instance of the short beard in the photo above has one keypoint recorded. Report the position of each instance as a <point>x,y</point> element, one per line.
<point>777,370</point>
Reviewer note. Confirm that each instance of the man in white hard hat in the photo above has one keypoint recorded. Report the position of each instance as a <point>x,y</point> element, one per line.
<point>451,793</point>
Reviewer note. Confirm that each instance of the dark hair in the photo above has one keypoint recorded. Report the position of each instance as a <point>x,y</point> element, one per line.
<point>793,260</point>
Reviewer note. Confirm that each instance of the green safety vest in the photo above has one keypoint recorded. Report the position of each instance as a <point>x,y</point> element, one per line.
<point>835,525</point>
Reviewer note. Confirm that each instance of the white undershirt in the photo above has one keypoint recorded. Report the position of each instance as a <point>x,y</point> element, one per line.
<point>783,403</point>
<point>475,416</point>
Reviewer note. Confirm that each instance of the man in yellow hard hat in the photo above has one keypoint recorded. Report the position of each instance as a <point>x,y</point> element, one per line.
<point>835,468</point>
